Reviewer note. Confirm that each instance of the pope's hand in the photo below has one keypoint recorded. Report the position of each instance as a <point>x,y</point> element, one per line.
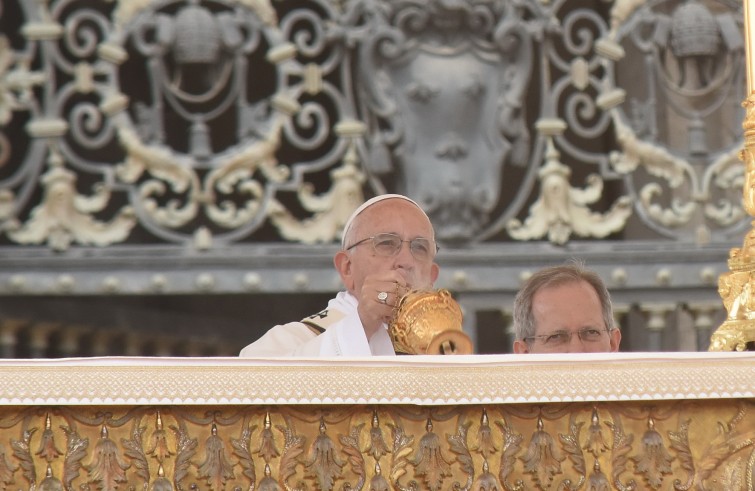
<point>378,298</point>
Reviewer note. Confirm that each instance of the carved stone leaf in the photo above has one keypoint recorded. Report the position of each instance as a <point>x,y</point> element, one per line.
<point>76,450</point>
<point>402,449</point>
<point>356,459</point>
<point>572,447</point>
<point>595,443</point>
<point>66,216</point>
<point>677,214</point>
<point>186,447</point>
<point>561,209</point>
<point>718,451</point>
<point>511,445</point>
<point>655,159</point>
<point>22,452</point>
<point>734,476</point>
<point>7,469</point>
<point>243,452</point>
<point>680,443</point>
<point>458,445</point>
<point>622,445</point>
<point>293,448</point>
<point>379,483</point>
<point>330,210</point>
<point>133,449</point>
<point>597,482</point>
<point>159,162</point>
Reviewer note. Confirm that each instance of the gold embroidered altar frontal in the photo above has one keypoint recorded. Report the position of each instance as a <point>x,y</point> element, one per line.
<point>482,423</point>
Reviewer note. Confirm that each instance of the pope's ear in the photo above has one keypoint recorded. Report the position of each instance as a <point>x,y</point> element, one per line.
<point>434,272</point>
<point>342,262</point>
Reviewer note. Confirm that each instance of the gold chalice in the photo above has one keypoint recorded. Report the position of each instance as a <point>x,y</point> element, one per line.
<point>429,322</point>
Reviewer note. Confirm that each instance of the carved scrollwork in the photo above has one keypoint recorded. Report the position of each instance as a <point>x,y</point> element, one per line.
<point>691,69</point>
<point>76,450</point>
<point>402,450</point>
<point>459,446</point>
<point>22,451</point>
<point>330,210</point>
<point>654,447</point>
<point>561,210</point>
<point>350,445</point>
<point>65,216</point>
<point>232,117</point>
<point>133,448</point>
<point>241,449</point>
<point>571,444</point>
<point>510,448</point>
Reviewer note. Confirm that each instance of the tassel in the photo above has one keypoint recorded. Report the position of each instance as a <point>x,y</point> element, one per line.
<point>655,459</point>
<point>595,443</point>
<point>107,467</point>
<point>485,443</point>
<point>429,461</point>
<point>486,481</point>
<point>378,482</point>
<point>324,463</point>
<point>159,449</point>
<point>50,483</point>
<point>543,458</point>
<point>200,140</point>
<point>377,447</point>
<point>161,483</point>
<point>47,448</point>
<point>216,467</point>
<point>268,483</point>
<point>267,448</point>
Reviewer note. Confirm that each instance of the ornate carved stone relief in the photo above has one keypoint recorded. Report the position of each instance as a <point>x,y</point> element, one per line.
<point>678,123</point>
<point>599,446</point>
<point>214,122</point>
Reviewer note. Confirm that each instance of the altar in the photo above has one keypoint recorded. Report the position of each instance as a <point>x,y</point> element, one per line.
<point>597,422</point>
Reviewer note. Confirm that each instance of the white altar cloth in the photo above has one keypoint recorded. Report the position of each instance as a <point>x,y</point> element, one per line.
<point>426,380</point>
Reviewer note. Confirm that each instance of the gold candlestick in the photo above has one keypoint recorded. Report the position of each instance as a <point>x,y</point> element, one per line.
<point>749,17</point>
<point>737,287</point>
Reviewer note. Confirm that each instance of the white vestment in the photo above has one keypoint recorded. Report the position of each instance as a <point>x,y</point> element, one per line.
<point>336,331</point>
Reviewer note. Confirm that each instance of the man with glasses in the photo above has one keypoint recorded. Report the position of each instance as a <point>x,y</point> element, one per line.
<point>387,248</point>
<point>564,309</point>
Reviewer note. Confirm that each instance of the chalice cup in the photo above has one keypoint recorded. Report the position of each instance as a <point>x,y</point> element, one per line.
<point>429,322</point>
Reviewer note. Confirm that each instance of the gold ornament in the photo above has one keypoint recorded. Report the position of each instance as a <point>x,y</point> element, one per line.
<point>429,322</point>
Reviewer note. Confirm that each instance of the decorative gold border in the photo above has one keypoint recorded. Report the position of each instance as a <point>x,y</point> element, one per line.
<point>420,380</point>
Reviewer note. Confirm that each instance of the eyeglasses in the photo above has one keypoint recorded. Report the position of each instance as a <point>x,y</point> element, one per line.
<point>561,338</point>
<point>390,244</point>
